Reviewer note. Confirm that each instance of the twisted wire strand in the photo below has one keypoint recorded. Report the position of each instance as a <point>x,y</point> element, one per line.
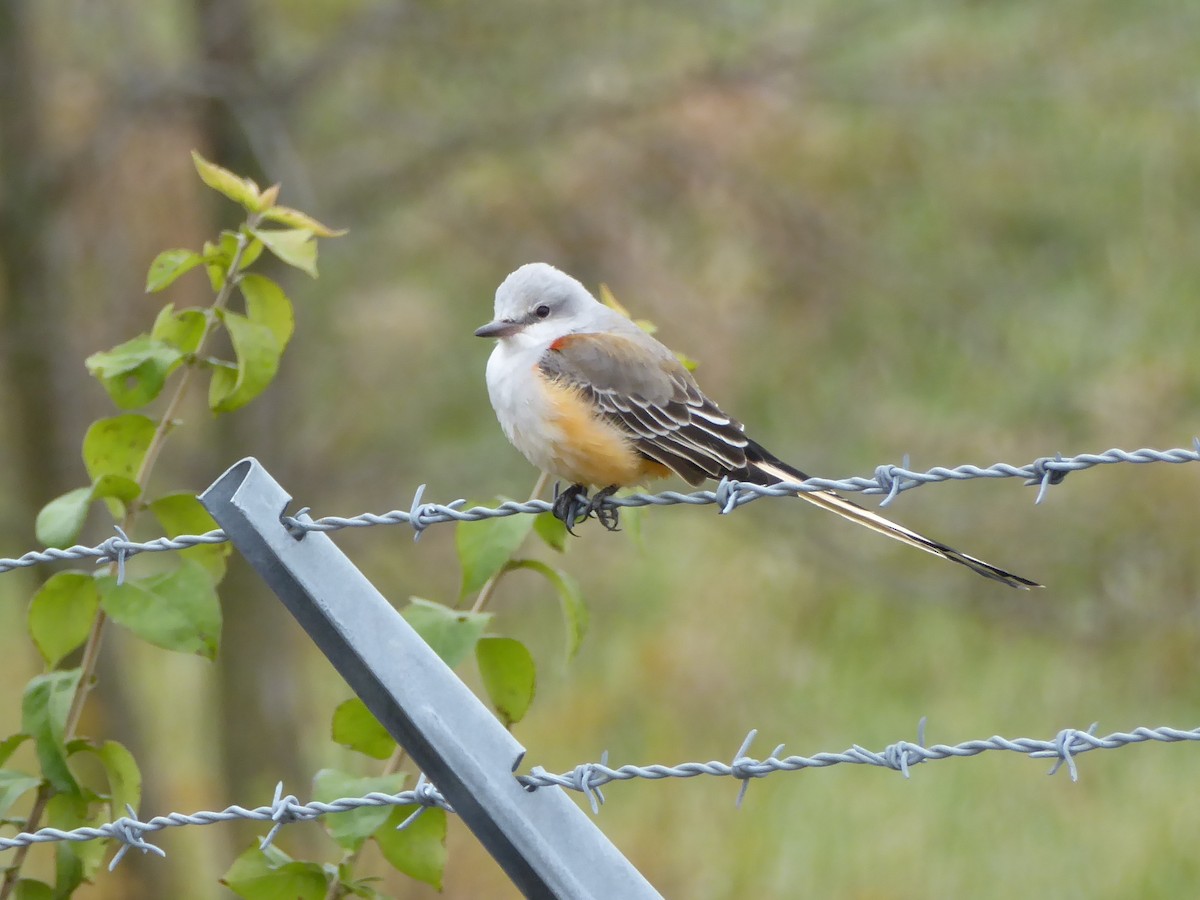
<point>589,778</point>
<point>727,495</point>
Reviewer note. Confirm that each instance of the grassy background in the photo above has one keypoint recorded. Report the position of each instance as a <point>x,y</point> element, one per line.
<point>963,231</point>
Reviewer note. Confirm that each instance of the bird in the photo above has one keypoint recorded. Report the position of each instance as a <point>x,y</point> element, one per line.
<point>590,397</point>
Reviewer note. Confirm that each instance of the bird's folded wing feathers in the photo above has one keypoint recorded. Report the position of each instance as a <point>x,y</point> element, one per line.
<point>640,386</point>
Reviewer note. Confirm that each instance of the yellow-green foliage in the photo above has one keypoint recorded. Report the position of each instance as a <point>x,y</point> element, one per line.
<point>966,231</point>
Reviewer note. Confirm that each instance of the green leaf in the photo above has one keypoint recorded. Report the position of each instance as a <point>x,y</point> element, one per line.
<point>273,875</point>
<point>509,676</point>
<point>552,530</point>
<point>44,710</point>
<point>124,776</point>
<point>294,246</point>
<point>267,198</point>
<point>116,491</point>
<point>115,487</point>
<point>61,614</point>
<point>216,265</point>
<point>9,745</point>
<point>355,727</point>
<point>218,257</point>
<point>74,863</point>
<point>182,330</point>
<point>117,446</point>
<point>134,372</point>
<point>353,827</point>
<point>485,546</point>
<point>68,866</point>
<point>251,247</point>
<point>357,887</point>
<point>451,633</point>
<point>28,889</point>
<point>293,218</point>
<point>251,254</point>
<point>168,266</point>
<point>176,610</point>
<point>12,786</point>
<point>575,614</point>
<point>419,851</point>
<point>609,299</point>
<point>221,180</point>
<point>258,352</point>
<point>181,513</point>
<point>60,521</point>
<point>267,304</point>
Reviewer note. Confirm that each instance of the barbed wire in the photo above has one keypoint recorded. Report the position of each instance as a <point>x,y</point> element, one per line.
<point>728,495</point>
<point>589,778</point>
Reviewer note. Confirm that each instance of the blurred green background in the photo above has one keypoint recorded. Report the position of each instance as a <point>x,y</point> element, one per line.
<point>962,231</point>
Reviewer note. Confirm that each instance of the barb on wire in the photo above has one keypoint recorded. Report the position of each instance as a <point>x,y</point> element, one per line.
<point>589,778</point>
<point>1063,748</point>
<point>727,495</point>
<point>425,796</point>
<point>282,810</point>
<point>113,547</point>
<point>128,830</point>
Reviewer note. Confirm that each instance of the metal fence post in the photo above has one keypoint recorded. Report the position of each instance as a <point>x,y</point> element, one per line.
<point>547,845</point>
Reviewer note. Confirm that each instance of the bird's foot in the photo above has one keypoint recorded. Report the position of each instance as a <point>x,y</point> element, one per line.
<point>567,504</point>
<point>573,505</point>
<point>606,514</point>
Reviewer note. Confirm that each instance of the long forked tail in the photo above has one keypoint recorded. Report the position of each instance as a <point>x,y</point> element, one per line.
<point>771,470</point>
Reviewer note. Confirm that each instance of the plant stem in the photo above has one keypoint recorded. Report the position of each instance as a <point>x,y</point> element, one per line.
<point>35,814</point>
<point>91,650</point>
<point>165,424</point>
<point>489,586</point>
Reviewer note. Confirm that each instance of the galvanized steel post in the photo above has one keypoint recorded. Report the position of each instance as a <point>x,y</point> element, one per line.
<point>547,845</point>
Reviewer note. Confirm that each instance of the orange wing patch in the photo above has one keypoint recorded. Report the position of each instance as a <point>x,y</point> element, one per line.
<point>589,450</point>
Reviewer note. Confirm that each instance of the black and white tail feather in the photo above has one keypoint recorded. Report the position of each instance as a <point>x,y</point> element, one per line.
<point>763,468</point>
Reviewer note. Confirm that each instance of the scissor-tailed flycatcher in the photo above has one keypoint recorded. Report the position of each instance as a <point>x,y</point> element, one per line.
<point>591,398</point>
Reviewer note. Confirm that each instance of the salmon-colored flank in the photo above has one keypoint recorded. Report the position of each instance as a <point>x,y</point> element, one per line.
<point>589,450</point>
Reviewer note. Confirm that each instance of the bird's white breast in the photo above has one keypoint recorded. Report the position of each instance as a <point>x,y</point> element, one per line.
<point>522,405</point>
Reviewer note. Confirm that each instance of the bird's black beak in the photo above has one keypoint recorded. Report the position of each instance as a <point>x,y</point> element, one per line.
<point>498,329</point>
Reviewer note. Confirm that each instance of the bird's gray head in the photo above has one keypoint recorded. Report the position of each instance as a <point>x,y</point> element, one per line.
<point>540,300</point>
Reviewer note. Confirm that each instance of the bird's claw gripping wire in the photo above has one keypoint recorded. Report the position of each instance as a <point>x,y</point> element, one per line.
<point>573,506</point>
<point>607,515</point>
<point>566,505</point>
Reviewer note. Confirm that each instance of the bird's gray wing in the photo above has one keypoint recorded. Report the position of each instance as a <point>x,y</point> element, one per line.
<point>640,386</point>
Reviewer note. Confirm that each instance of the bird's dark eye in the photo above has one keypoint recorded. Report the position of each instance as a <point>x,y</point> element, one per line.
<point>542,311</point>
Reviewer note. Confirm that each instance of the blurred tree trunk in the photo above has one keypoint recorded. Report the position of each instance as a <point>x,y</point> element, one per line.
<point>32,324</point>
<point>257,702</point>
<point>35,322</point>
